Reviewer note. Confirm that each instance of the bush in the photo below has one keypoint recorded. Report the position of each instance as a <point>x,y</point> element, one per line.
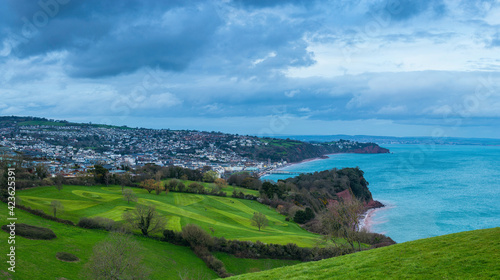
<point>212,262</point>
<point>174,237</point>
<point>32,232</point>
<point>98,223</point>
<point>67,257</point>
<point>196,236</point>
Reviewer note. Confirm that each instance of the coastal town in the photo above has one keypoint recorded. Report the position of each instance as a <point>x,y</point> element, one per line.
<point>71,148</point>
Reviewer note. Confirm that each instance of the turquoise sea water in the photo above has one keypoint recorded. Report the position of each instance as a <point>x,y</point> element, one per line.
<point>429,190</point>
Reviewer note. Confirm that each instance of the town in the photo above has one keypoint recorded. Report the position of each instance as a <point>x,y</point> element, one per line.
<point>71,148</point>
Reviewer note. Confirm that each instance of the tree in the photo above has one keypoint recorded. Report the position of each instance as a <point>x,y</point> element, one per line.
<point>342,220</point>
<point>158,188</point>
<point>158,175</point>
<point>259,220</point>
<point>145,218</point>
<point>181,187</point>
<point>100,174</point>
<point>129,195</point>
<point>196,236</point>
<point>172,184</point>
<point>220,183</point>
<point>58,182</point>
<point>195,187</point>
<point>124,180</point>
<point>210,176</point>
<point>117,257</point>
<point>303,216</point>
<point>56,207</point>
<point>149,185</point>
<point>41,171</point>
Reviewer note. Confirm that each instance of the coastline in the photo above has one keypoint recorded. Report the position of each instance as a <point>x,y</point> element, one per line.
<point>366,221</point>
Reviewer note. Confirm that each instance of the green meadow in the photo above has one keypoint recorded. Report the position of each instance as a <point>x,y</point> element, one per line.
<point>36,259</point>
<point>209,186</point>
<point>228,217</point>
<point>464,255</point>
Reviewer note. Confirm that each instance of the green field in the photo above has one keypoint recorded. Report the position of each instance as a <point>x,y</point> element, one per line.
<point>241,266</point>
<point>280,142</point>
<point>465,255</point>
<point>36,259</point>
<point>229,217</point>
<point>228,190</point>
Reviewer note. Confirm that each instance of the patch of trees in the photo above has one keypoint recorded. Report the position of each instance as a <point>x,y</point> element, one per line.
<point>303,216</point>
<point>326,184</point>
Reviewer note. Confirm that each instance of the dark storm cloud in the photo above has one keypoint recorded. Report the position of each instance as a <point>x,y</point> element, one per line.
<point>317,61</point>
<point>108,38</point>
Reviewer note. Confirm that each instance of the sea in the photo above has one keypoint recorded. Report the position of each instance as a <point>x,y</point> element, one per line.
<point>429,190</point>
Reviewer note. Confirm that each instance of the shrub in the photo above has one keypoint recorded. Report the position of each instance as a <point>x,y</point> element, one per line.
<point>196,236</point>
<point>67,257</point>
<point>32,232</point>
<point>174,237</point>
<point>98,223</point>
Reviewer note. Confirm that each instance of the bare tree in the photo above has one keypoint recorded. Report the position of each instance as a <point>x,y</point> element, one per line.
<point>129,195</point>
<point>117,257</point>
<point>158,175</point>
<point>259,220</point>
<point>59,182</point>
<point>145,218</point>
<point>56,207</point>
<point>342,220</point>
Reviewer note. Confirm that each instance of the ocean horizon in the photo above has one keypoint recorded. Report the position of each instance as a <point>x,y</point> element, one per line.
<point>429,190</point>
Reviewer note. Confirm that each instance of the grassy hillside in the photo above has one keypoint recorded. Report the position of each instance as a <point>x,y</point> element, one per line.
<point>238,266</point>
<point>209,186</point>
<point>229,217</point>
<point>36,259</point>
<point>465,255</point>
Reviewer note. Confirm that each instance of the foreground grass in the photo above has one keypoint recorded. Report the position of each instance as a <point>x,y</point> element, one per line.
<point>36,259</point>
<point>238,266</point>
<point>465,255</point>
<point>228,217</point>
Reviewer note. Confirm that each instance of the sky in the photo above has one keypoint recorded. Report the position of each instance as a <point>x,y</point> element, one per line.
<point>261,67</point>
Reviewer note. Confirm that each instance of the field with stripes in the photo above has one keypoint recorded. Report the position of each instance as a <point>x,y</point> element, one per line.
<point>226,216</point>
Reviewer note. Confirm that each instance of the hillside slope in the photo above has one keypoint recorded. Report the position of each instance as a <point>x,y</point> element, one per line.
<point>465,255</point>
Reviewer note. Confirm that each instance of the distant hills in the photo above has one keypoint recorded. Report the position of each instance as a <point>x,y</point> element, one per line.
<point>395,140</point>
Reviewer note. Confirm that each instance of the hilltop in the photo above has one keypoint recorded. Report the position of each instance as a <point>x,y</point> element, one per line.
<point>464,255</point>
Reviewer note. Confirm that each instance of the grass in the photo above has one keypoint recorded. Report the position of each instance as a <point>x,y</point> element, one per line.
<point>228,189</point>
<point>229,217</point>
<point>281,142</point>
<point>239,266</point>
<point>465,255</point>
<point>36,259</point>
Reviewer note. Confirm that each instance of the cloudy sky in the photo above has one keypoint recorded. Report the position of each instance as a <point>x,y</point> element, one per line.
<point>262,67</point>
